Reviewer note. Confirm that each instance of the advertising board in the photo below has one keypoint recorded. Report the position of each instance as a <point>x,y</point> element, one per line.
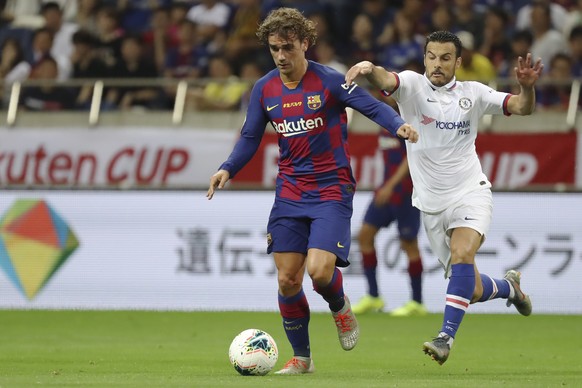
<point>175,250</point>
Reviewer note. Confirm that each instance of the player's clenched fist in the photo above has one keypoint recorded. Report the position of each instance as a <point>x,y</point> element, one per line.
<point>407,131</point>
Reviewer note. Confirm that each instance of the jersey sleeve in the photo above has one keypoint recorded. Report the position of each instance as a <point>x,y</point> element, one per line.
<point>405,82</point>
<point>492,101</point>
<point>361,100</point>
<point>251,134</point>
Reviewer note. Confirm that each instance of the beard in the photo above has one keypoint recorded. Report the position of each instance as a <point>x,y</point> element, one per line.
<point>440,80</point>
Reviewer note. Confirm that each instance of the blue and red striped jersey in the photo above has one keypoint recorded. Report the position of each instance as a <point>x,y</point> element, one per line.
<point>394,152</point>
<point>311,124</point>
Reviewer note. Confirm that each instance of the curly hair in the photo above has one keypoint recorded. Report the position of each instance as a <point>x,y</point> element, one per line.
<point>444,37</point>
<point>287,23</point>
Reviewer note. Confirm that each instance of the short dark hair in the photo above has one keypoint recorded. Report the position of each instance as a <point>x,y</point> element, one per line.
<point>135,37</point>
<point>85,37</point>
<point>499,12</point>
<point>560,57</point>
<point>46,59</point>
<point>444,37</point>
<point>42,30</point>
<point>50,6</point>
<point>522,35</point>
<point>543,5</point>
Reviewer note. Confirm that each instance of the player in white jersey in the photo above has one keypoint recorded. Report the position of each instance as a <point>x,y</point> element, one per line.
<point>449,185</point>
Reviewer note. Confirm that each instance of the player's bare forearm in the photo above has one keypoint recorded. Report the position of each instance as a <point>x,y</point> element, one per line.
<point>383,195</point>
<point>524,103</point>
<point>385,191</point>
<point>399,175</point>
<point>382,78</point>
<point>376,75</point>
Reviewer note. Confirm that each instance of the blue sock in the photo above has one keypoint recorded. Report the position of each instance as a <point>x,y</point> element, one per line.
<point>459,293</point>
<point>370,274</point>
<point>295,313</point>
<point>415,272</point>
<point>494,288</point>
<point>333,293</point>
<point>370,263</point>
<point>416,284</point>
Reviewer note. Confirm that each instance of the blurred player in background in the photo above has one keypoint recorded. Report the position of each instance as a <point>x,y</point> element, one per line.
<point>450,188</point>
<point>392,202</point>
<point>309,224</point>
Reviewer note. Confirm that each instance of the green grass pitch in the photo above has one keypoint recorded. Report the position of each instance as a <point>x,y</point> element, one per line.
<point>189,349</point>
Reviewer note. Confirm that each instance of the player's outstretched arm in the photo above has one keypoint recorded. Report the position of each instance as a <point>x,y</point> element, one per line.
<point>407,131</point>
<point>376,75</point>
<point>217,180</point>
<point>527,75</point>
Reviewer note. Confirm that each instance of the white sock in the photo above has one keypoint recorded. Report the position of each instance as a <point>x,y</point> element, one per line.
<point>450,340</point>
<point>511,290</point>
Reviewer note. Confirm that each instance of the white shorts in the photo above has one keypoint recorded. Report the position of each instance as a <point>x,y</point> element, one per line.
<point>474,211</point>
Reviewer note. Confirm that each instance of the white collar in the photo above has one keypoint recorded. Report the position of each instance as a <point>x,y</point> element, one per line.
<point>445,88</point>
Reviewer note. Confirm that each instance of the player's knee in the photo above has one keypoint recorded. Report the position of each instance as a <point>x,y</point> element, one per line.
<point>411,249</point>
<point>366,241</point>
<point>288,283</point>
<point>321,274</point>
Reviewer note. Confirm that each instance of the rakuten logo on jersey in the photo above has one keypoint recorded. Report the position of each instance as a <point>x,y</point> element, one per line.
<point>294,128</point>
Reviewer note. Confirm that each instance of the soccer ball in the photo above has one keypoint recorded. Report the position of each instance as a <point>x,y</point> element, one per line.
<point>253,353</point>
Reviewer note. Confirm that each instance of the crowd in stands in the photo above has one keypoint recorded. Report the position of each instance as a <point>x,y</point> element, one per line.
<point>215,40</point>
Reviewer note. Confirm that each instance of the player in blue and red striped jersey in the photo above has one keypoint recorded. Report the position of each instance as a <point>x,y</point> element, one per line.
<point>392,202</point>
<point>309,225</point>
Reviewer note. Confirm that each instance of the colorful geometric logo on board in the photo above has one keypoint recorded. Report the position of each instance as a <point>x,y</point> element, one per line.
<point>34,242</point>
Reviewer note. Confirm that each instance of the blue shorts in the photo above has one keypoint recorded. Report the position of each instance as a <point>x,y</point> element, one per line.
<point>407,216</point>
<point>297,227</point>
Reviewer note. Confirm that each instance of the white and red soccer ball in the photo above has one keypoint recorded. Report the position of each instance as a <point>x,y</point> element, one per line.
<point>253,352</point>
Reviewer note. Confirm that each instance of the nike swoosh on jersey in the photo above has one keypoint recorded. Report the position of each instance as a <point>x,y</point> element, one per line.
<point>340,245</point>
<point>270,108</point>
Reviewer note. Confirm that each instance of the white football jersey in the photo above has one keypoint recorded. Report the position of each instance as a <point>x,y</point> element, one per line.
<point>443,163</point>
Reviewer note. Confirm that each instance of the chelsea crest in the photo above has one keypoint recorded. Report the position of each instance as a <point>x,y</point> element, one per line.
<point>465,103</point>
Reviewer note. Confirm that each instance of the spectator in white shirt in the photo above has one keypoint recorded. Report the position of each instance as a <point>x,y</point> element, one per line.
<point>547,41</point>
<point>523,20</point>
<point>62,47</point>
<point>212,18</point>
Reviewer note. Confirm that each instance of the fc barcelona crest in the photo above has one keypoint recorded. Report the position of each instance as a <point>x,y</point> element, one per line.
<point>314,102</point>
